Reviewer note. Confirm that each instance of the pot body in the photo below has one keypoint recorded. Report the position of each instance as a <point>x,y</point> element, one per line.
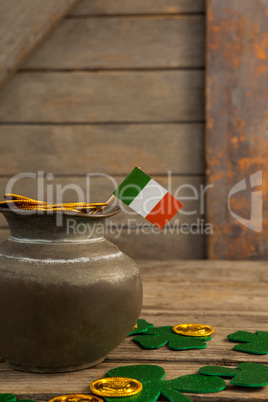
<point>66,298</point>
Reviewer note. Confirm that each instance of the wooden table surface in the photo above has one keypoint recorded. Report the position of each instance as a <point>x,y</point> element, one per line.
<point>229,296</point>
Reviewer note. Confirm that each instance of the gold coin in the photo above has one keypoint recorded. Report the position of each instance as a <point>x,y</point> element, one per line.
<point>135,326</point>
<point>76,398</point>
<point>193,329</point>
<point>116,386</point>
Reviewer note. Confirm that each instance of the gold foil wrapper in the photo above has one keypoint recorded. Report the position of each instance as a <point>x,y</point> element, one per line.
<point>116,387</point>
<point>193,329</point>
<point>22,202</point>
<point>77,398</point>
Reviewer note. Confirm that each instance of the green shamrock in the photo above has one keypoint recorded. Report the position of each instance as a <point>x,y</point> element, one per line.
<point>156,337</point>
<point>142,326</point>
<point>252,343</point>
<point>194,383</point>
<point>246,375</point>
<point>149,375</point>
<point>12,398</point>
<point>152,379</point>
<point>7,398</point>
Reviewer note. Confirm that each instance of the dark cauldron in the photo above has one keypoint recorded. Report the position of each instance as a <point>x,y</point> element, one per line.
<point>67,295</point>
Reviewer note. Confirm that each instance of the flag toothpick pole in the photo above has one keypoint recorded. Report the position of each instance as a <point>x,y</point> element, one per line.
<point>110,199</point>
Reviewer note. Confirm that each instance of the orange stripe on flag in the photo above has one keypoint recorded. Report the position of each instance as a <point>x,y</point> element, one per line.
<point>164,210</point>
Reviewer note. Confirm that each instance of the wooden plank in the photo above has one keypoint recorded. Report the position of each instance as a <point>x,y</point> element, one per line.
<point>240,304</point>
<point>167,244</point>
<point>112,149</point>
<point>237,128</point>
<point>106,43</point>
<point>204,272</point>
<point>23,26</point>
<point>147,243</point>
<point>153,96</point>
<point>190,190</point>
<point>107,7</point>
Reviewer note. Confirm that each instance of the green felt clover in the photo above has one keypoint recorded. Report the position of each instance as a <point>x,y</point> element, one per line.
<point>157,337</point>
<point>194,383</point>
<point>175,396</point>
<point>246,375</point>
<point>142,326</point>
<point>152,379</point>
<point>7,398</point>
<point>251,343</point>
<point>12,398</point>
<point>149,375</point>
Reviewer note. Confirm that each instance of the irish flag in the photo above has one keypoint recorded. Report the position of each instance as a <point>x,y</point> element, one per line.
<point>148,198</point>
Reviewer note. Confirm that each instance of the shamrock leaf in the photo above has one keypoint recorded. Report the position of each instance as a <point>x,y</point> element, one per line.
<point>252,375</point>
<point>7,398</point>
<point>142,326</point>
<point>174,396</point>
<point>253,343</point>
<point>246,375</point>
<point>219,371</point>
<point>12,398</point>
<point>152,379</point>
<point>149,375</point>
<point>196,383</point>
<point>154,338</point>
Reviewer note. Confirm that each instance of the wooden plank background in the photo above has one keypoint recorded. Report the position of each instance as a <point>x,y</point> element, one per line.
<point>118,7</point>
<point>117,84</point>
<point>23,26</point>
<point>101,97</point>
<point>103,36</point>
<point>237,122</point>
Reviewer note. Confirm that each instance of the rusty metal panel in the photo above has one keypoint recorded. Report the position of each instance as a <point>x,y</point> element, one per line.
<point>237,128</point>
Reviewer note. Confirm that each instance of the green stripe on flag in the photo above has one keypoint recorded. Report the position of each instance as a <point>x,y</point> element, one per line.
<point>132,186</point>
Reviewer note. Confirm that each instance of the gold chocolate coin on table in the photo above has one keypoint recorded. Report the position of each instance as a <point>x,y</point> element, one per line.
<point>116,386</point>
<point>193,329</point>
<point>76,398</point>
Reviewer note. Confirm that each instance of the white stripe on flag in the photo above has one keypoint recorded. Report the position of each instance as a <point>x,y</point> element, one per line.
<point>147,199</point>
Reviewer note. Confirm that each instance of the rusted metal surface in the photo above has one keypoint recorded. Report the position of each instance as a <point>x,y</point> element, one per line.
<point>237,128</point>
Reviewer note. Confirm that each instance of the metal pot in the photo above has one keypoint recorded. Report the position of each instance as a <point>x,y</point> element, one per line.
<point>67,296</point>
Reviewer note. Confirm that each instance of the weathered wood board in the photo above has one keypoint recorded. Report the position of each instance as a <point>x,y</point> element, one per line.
<point>24,24</point>
<point>168,244</point>
<point>112,149</point>
<point>117,43</point>
<point>108,7</point>
<point>155,96</point>
<point>229,296</point>
<point>237,121</point>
